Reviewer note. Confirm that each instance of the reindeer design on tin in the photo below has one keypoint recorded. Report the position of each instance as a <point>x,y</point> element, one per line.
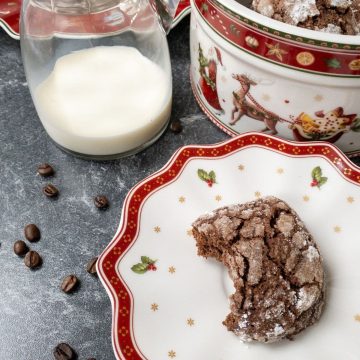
<point>242,106</point>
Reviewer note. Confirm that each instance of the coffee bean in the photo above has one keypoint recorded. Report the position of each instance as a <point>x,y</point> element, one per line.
<point>32,259</point>
<point>45,170</point>
<point>64,351</point>
<point>101,202</point>
<point>69,283</point>
<point>32,232</point>
<point>176,126</point>
<point>50,191</point>
<point>20,248</point>
<point>91,359</point>
<point>91,266</point>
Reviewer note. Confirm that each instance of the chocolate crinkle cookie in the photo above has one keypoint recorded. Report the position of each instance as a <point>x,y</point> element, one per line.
<point>274,263</point>
<point>333,16</point>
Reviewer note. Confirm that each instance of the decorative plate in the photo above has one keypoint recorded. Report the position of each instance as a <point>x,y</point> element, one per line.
<point>182,10</point>
<point>168,303</point>
<point>10,15</point>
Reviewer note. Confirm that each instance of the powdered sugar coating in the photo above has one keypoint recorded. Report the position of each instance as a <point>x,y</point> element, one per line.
<point>340,3</point>
<point>331,28</point>
<point>265,7</point>
<point>312,253</point>
<point>299,10</point>
<point>331,16</point>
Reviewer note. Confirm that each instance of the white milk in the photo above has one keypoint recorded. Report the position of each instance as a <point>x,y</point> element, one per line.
<point>104,100</point>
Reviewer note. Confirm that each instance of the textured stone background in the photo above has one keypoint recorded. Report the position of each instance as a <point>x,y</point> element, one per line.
<point>34,314</point>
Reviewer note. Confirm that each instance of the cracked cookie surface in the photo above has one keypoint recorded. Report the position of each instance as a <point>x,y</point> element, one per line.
<point>332,16</point>
<point>274,263</point>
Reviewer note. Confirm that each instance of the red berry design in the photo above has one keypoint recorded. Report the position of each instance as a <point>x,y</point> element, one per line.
<point>152,267</point>
<point>314,183</point>
<point>208,177</point>
<point>317,178</point>
<point>146,264</point>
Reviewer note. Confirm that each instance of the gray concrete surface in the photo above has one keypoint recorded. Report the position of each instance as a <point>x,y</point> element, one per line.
<point>34,314</point>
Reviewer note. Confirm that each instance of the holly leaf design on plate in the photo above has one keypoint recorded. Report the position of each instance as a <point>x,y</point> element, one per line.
<point>333,63</point>
<point>203,175</point>
<point>322,181</point>
<point>209,178</point>
<point>140,268</point>
<point>145,265</point>
<point>147,260</point>
<point>212,176</point>
<point>317,178</point>
<point>356,125</point>
<point>316,173</point>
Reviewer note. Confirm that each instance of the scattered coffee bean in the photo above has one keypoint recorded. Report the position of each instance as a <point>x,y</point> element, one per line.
<point>176,126</point>
<point>91,359</point>
<point>91,266</point>
<point>101,202</point>
<point>20,248</point>
<point>69,283</point>
<point>32,232</point>
<point>50,191</point>
<point>32,260</point>
<point>45,170</point>
<point>64,351</point>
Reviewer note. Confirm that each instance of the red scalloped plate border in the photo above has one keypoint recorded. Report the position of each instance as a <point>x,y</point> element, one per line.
<point>123,338</point>
<point>9,17</point>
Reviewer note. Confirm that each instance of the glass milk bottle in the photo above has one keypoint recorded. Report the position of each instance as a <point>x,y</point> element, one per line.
<point>99,73</point>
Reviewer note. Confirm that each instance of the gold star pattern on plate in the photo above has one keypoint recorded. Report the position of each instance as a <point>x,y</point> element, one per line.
<point>241,167</point>
<point>172,270</point>
<point>257,194</point>
<point>275,50</point>
<point>157,229</point>
<point>266,97</point>
<point>182,199</point>
<point>189,232</point>
<point>218,198</point>
<point>171,354</point>
<point>154,307</point>
<point>357,317</point>
<point>350,199</point>
<point>337,229</point>
<point>306,198</point>
<point>190,322</point>
<point>280,170</point>
<point>318,98</point>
